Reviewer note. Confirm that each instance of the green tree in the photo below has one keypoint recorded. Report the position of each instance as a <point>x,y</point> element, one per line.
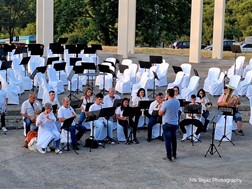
<point>15,14</point>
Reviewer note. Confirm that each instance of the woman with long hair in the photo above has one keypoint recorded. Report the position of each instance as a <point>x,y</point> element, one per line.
<point>126,121</point>
<point>86,98</point>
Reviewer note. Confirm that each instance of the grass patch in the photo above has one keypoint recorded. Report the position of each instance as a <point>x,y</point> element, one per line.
<point>228,55</point>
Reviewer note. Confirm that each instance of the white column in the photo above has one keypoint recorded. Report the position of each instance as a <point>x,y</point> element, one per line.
<point>44,23</point>
<point>196,31</point>
<point>123,25</point>
<point>132,26</point>
<point>218,28</point>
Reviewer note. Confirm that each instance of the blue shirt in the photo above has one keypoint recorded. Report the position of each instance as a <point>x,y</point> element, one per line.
<point>170,110</point>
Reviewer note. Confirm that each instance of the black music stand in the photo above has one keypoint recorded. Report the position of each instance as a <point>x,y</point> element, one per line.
<point>196,73</point>
<point>79,70</point>
<point>82,46</point>
<point>144,104</point>
<point>192,109</point>
<point>158,120</point>
<point>74,50</point>
<point>24,62</point>
<point>75,103</point>
<point>56,48</point>
<point>107,113</point>
<point>130,112</point>
<point>69,78</point>
<point>104,69</point>
<point>177,69</point>
<point>5,65</point>
<point>88,106</point>
<point>117,103</point>
<point>91,50</point>
<point>226,111</point>
<point>51,59</point>
<point>59,67</point>
<point>154,85</point>
<point>74,60</point>
<point>122,68</point>
<point>89,66</point>
<point>235,49</point>
<point>62,40</point>
<point>96,46</point>
<point>92,116</point>
<point>41,69</point>
<point>36,49</point>
<point>145,64</point>
<point>214,119</point>
<point>67,123</point>
<point>156,59</point>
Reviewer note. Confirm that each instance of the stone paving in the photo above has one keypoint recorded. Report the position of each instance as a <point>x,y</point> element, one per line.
<point>130,166</point>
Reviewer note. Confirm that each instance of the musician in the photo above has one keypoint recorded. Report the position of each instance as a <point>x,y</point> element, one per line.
<point>169,113</point>
<point>52,99</point>
<point>86,98</point>
<point>65,112</point>
<point>101,123</point>
<point>3,106</point>
<point>108,99</point>
<point>154,106</point>
<point>125,122</point>
<point>203,100</point>
<point>230,100</point>
<point>54,102</point>
<point>178,96</point>
<point>29,110</point>
<point>189,117</point>
<point>47,130</point>
<point>140,96</point>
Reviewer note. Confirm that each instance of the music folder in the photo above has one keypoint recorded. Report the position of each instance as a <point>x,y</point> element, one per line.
<point>144,104</point>
<point>59,66</point>
<point>74,60</point>
<point>182,102</point>
<point>25,60</point>
<point>5,65</point>
<point>67,123</point>
<point>89,50</point>
<point>88,106</point>
<point>88,65</point>
<point>62,40</point>
<point>156,59</point>
<point>177,69</point>
<point>41,69</point>
<point>93,115</point>
<point>51,59</point>
<point>122,68</point>
<point>145,64</point>
<point>96,46</point>
<point>107,112</point>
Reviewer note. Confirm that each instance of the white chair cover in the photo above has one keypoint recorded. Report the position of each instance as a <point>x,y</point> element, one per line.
<point>247,68</point>
<point>177,81</point>
<point>14,81</point>
<point>123,85</point>
<point>238,67</point>
<point>216,87</point>
<point>212,77</point>
<point>162,73</point>
<point>191,89</point>
<point>243,85</point>
<point>157,131</point>
<point>54,81</point>
<point>11,90</point>
<point>187,71</point>
<point>141,84</point>
<point>219,130</point>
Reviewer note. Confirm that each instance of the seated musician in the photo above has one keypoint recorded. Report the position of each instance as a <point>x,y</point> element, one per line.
<point>65,112</point>
<point>100,125</point>
<point>203,100</point>
<point>191,120</point>
<point>52,99</point>
<point>86,98</point>
<point>108,99</point>
<point>126,122</point>
<point>140,96</point>
<point>30,109</point>
<point>154,106</point>
<point>47,130</point>
<point>231,100</point>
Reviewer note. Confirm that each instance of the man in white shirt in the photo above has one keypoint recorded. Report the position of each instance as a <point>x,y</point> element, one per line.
<point>101,124</point>
<point>3,107</point>
<point>65,112</point>
<point>154,106</point>
<point>108,99</point>
<point>30,109</point>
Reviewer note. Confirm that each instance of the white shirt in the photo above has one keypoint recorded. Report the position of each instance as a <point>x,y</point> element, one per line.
<point>85,101</point>
<point>108,102</point>
<point>153,106</point>
<point>136,99</point>
<point>3,97</point>
<point>66,113</point>
<point>28,109</point>
<point>47,124</point>
<point>53,102</point>
<point>95,107</point>
<point>119,111</point>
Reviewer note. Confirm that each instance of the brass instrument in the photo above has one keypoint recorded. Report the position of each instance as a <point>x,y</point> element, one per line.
<point>230,91</point>
<point>208,104</point>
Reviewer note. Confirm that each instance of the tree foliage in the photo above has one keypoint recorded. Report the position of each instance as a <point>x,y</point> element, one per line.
<point>96,21</point>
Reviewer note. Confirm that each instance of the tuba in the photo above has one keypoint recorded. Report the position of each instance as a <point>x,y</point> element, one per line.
<point>230,92</point>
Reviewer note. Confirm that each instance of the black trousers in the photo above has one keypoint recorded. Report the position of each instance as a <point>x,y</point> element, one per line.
<point>125,124</point>
<point>3,119</point>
